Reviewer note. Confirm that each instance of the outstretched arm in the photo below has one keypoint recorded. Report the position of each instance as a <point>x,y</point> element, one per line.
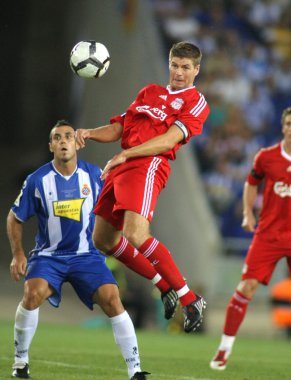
<point>153,147</point>
<point>106,133</point>
<point>249,196</point>
<point>19,261</point>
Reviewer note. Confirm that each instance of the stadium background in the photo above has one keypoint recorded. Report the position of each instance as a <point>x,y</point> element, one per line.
<point>38,87</point>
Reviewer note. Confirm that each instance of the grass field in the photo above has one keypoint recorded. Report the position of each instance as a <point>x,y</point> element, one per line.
<point>63,352</point>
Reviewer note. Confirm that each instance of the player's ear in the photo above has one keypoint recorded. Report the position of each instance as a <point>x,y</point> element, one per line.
<point>50,147</point>
<point>77,146</point>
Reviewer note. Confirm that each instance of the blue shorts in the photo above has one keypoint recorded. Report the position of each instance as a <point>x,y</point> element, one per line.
<point>86,273</point>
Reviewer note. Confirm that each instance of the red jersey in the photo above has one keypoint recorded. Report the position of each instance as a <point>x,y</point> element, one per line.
<point>155,109</point>
<point>274,166</point>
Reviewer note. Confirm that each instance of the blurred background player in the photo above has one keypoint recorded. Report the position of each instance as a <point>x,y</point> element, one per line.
<point>61,194</point>
<point>153,128</point>
<point>272,236</point>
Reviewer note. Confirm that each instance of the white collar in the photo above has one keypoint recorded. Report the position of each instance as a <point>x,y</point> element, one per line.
<point>178,91</point>
<point>65,176</point>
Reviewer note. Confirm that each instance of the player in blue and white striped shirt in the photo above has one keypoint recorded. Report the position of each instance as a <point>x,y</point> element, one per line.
<point>61,195</point>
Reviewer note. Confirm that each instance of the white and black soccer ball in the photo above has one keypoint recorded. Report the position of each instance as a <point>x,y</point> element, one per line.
<point>89,59</point>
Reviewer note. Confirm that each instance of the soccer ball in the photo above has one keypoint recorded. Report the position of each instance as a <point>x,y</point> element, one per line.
<point>89,59</point>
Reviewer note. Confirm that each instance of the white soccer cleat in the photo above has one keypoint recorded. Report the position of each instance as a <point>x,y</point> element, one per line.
<point>219,361</point>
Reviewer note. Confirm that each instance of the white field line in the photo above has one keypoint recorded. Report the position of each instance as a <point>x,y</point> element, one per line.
<point>60,364</point>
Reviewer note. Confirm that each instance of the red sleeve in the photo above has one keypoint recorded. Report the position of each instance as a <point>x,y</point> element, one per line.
<point>194,116</point>
<point>117,119</point>
<point>257,174</point>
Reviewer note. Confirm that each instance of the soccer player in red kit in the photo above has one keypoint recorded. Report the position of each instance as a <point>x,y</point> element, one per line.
<point>272,236</point>
<point>153,128</point>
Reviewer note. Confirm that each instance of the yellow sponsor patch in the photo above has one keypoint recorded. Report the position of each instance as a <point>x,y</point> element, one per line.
<point>70,209</point>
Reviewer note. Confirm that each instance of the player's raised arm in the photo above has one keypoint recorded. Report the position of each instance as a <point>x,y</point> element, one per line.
<point>106,133</point>
<point>152,147</point>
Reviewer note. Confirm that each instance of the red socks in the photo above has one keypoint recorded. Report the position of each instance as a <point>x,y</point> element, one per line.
<point>152,261</point>
<point>129,256</point>
<point>235,313</point>
<point>162,260</point>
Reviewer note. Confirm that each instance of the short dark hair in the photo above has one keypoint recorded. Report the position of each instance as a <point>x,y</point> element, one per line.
<point>286,112</point>
<point>60,123</point>
<point>186,50</point>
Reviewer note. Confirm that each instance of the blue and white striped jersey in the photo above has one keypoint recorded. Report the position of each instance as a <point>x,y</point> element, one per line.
<point>63,207</point>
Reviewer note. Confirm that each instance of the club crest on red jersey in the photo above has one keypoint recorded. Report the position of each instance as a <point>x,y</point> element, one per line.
<point>177,103</point>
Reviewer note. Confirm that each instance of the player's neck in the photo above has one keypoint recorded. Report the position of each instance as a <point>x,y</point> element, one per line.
<point>65,168</point>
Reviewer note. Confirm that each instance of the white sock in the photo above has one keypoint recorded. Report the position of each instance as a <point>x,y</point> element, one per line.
<point>125,338</point>
<point>226,343</point>
<point>24,329</point>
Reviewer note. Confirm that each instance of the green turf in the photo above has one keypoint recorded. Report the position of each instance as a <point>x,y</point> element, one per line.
<point>69,353</point>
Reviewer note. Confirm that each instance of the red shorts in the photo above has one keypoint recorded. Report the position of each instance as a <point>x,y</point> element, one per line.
<point>135,186</point>
<point>262,258</point>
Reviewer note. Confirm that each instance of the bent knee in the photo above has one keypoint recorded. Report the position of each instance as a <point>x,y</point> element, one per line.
<point>103,245</point>
<point>109,300</point>
<point>32,299</point>
<point>135,237</point>
<point>114,302</point>
<point>248,287</point>
<point>36,291</point>
<point>100,246</point>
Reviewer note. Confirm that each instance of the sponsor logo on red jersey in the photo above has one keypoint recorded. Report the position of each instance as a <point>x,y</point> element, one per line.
<point>154,112</point>
<point>282,189</point>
